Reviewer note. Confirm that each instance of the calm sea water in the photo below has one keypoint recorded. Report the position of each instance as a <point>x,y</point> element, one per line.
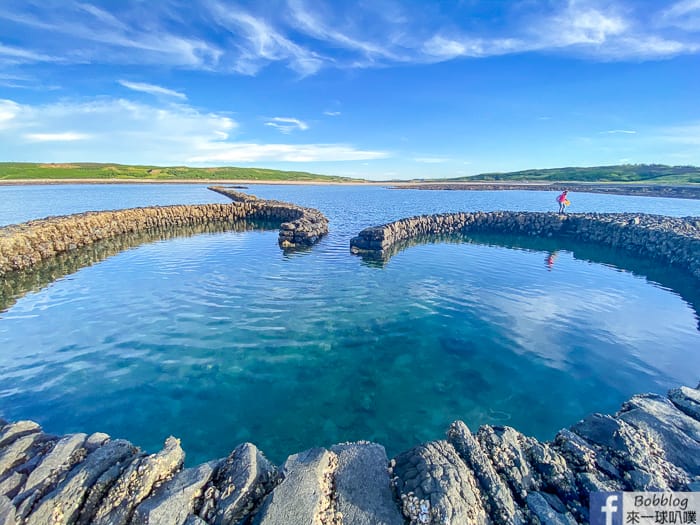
<point>218,337</point>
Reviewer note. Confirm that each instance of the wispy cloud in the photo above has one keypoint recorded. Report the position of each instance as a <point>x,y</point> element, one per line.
<point>684,14</point>
<point>137,132</point>
<point>440,47</point>
<point>66,136</point>
<point>431,160</point>
<point>9,110</point>
<point>152,89</point>
<point>332,113</point>
<point>286,153</point>
<point>579,27</point>
<point>308,21</point>
<point>140,39</point>
<point>619,132</point>
<point>287,125</point>
<point>260,43</point>
<point>145,134</point>
<point>216,35</point>
<point>10,55</point>
<point>688,134</point>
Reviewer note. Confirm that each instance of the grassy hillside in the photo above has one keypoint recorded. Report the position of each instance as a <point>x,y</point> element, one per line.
<point>28,171</point>
<point>647,173</point>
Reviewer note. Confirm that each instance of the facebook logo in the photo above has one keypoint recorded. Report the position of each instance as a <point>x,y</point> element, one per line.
<point>606,508</point>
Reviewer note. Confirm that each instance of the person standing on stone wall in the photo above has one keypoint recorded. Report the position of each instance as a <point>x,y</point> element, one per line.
<point>563,201</point>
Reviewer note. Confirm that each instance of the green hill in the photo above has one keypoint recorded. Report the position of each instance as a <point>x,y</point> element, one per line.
<point>647,173</point>
<point>83,170</point>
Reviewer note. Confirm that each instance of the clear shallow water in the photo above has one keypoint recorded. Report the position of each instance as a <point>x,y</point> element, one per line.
<point>219,338</point>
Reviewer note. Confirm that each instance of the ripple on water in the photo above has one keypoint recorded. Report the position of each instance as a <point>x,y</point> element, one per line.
<point>222,338</point>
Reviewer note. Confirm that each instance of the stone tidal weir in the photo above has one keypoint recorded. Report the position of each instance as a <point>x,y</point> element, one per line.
<point>25,245</point>
<point>669,240</point>
<point>493,476</point>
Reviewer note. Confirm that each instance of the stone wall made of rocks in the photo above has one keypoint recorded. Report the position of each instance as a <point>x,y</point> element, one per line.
<point>304,227</point>
<point>670,240</point>
<point>494,476</point>
<point>24,245</point>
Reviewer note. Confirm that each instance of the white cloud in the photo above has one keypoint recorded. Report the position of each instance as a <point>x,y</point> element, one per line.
<point>261,43</point>
<point>431,160</point>
<point>578,27</point>
<point>141,133</point>
<point>15,55</point>
<point>620,132</point>
<point>308,21</point>
<point>684,15</point>
<point>683,8</point>
<point>217,35</point>
<point>441,48</point>
<point>137,132</point>
<point>285,153</point>
<point>580,24</point>
<point>140,40</point>
<point>287,125</point>
<point>152,89</point>
<point>332,113</point>
<point>66,136</point>
<point>688,134</point>
<point>8,111</point>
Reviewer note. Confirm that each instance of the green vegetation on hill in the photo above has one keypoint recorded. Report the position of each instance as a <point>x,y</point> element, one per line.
<point>82,170</point>
<point>647,173</point>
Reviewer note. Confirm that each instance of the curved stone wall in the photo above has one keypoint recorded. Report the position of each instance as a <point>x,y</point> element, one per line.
<point>495,476</point>
<point>674,241</point>
<point>18,283</point>
<point>303,226</point>
<point>23,246</point>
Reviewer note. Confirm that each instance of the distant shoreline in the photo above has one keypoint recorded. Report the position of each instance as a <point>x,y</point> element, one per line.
<point>23,182</point>
<point>680,191</point>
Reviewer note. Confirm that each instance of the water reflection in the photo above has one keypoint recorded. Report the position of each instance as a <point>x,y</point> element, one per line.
<point>549,260</point>
<point>20,283</point>
<point>674,278</point>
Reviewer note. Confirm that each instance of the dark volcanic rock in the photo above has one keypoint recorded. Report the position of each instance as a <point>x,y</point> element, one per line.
<point>498,498</point>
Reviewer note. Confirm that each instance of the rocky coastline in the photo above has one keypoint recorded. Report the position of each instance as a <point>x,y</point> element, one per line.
<point>685,191</point>
<point>494,476</point>
<point>24,245</point>
<point>670,240</point>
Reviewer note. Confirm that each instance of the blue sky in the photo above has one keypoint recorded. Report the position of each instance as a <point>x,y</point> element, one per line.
<point>375,89</point>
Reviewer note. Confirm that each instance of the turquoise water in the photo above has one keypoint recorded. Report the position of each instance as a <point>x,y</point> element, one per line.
<point>220,338</point>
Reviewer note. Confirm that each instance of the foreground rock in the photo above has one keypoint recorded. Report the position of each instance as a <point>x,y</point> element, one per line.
<point>494,476</point>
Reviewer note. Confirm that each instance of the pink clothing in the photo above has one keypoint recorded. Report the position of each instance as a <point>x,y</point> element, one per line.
<point>561,198</point>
